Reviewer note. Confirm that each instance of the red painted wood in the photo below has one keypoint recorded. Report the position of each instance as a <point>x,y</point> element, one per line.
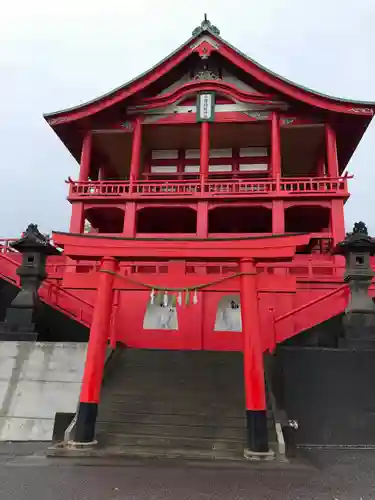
<point>331,151</point>
<point>220,117</point>
<point>289,89</point>
<point>129,325</point>
<point>218,86</point>
<point>182,162</point>
<point>337,220</point>
<point>135,166</point>
<point>120,94</point>
<point>232,188</point>
<point>94,246</point>
<point>278,217</point>
<point>275,146</point>
<point>255,394</point>
<point>202,219</point>
<point>204,49</point>
<point>282,286</point>
<point>84,171</point>
<point>267,78</point>
<point>300,281</point>
<point>130,220</point>
<point>99,333</point>
<point>312,311</point>
<point>204,150</point>
<point>77,219</point>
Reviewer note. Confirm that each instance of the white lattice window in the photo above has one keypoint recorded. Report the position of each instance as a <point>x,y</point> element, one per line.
<point>253,167</point>
<point>192,169</point>
<point>221,153</point>
<point>192,153</point>
<point>220,168</point>
<point>253,152</point>
<point>164,154</point>
<point>163,169</point>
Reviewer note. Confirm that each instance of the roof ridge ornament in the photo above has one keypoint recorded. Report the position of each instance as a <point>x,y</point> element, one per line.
<point>206,25</point>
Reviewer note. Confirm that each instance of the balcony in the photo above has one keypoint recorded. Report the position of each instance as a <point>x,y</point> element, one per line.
<point>237,188</point>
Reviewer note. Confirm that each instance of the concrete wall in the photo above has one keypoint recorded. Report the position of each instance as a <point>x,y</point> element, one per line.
<point>330,392</point>
<point>37,379</point>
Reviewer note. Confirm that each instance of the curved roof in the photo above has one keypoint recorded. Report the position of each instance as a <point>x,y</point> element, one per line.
<point>280,83</point>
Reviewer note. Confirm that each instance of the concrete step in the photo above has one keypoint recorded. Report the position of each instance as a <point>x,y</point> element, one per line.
<point>112,438</point>
<point>187,431</point>
<point>174,407</point>
<point>180,420</point>
<point>173,419</point>
<point>175,400</point>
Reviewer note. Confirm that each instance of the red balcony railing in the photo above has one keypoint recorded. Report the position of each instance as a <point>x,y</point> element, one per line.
<point>260,188</point>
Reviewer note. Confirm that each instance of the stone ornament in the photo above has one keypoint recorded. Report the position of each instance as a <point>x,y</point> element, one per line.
<point>206,25</point>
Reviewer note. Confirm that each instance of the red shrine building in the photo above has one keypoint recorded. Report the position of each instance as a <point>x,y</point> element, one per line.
<point>209,197</point>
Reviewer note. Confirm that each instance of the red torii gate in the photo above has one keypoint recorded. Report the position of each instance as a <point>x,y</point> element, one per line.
<point>247,251</point>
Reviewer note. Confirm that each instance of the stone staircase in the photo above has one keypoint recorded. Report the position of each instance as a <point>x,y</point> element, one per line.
<point>186,404</point>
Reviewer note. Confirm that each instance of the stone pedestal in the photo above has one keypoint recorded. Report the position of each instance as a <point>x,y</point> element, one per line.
<point>359,319</point>
<point>359,330</point>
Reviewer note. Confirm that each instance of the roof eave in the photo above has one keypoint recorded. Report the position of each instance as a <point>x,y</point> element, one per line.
<point>54,114</point>
<point>343,101</point>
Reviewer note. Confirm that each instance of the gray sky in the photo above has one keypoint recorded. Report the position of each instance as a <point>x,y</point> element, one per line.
<point>58,54</point>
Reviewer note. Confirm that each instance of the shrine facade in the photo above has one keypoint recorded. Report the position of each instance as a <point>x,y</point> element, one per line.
<point>209,199</point>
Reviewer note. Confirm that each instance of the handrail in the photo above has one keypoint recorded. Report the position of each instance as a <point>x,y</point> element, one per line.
<point>5,245</point>
<point>65,292</point>
<point>211,187</point>
<point>48,285</point>
<point>209,180</point>
<point>311,303</point>
<point>9,259</point>
<point>229,178</point>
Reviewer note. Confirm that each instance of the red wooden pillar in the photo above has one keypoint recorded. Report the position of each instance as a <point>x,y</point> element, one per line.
<point>101,173</point>
<point>84,171</point>
<point>278,217</point>
<point>320,169</point>
<point>275,146</point>
<point>202,219</point>
<point>255,392</point>
<point>180,164</point>
<point>331,150</point>
<point>77,220</point>
<point>135,166</point>
<point>95,358</point>
<point>129,220</point>
<point>204,151</point>
<point>337,221</point>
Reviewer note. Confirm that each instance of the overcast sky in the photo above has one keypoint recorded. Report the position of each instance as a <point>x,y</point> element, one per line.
<point>59,54</point>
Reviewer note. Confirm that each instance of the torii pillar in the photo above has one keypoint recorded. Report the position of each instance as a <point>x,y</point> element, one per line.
<point>246,250</point>
<point>255,388</point>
